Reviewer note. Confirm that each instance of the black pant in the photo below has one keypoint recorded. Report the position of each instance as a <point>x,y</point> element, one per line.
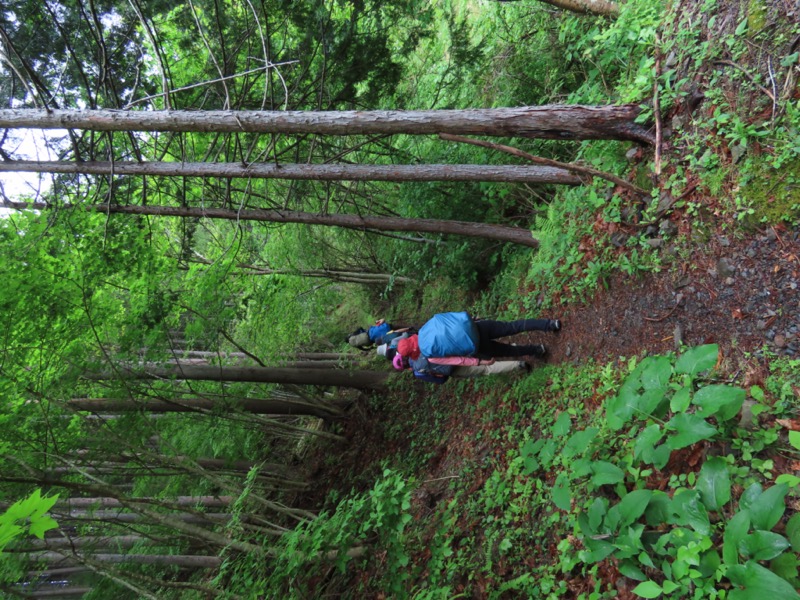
<point>490,330</point>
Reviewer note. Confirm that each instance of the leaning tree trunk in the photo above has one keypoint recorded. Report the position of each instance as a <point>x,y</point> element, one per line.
<point>501,233</point>
<point>556,121</point>
<point>602,8</point>
<point>327,172</point>
<point>251,405</point>
<point>339,378</point>
<point>178,560</point>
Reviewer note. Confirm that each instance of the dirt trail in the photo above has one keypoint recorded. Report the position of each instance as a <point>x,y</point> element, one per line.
<point>742,295</point>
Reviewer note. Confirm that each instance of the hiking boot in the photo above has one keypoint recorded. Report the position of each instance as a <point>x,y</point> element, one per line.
<point>538,350</point>
<point>525,366</point>
<point>555,325</point>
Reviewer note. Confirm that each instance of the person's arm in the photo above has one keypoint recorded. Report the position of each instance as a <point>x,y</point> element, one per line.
<point>460,361</point>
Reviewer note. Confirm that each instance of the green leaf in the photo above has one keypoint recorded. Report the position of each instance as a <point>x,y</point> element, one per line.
<point>681,400</point>
<point>579,442</point>
<point>725,401</point>
<point>631,571</point>
<point>690,511</point>
<point>598,549</point>
<point>714,483</point>
<point>709,563</point>
<point>605,473</point>
<point>690,430</point>
<point>645,443</point>
<point>785,567</point>
<point>768,508</point>
<point>649,401</point>
<point>621,407</point>
<point>794,439</point>
<point>659,509</point>
<point>741,27</point>
<point>697,359</point>
<point>750,495</point>
<point>793,531</point>
<point>661,456</point>
<point>561,493</point>
<point>759,583</point>
<point>763,545</point>
<point>596,513</point>
<point>41,525</point>
<point>633,505</point>
<point>562,425</point>
<point>735,531</point>
<point>648,589</point>
<point>656,373</point>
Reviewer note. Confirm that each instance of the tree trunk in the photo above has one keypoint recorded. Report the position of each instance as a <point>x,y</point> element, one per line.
<point>56,592</point>
<point>107,542</point>
<point>334,377</point>
<point>602,8</point>
<point>555,121</point>
<point>325,172</point>
<point>107,502</point>
<point>514,235</point>
<point>178,560</point>
<point>252,405</point>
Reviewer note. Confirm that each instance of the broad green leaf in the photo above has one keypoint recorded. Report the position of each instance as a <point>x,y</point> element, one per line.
<point>41,525</point>
<point>605,472</point>
<point>790,480</point>
<point>785,566</point>
<point>645,442</point>
<point>633,505</point>
<point>661,456</point>
<point>681,399</point>
<point>690,511</point>
<point>793,531</point>
<point>579,442</point>
<point>759,583</point>
<point>580,468</point>
<point>596,513</point>
<point>697,359</point>
<point>656,373</point>
<point>631,571</point>
<point>621,407</point>
<point>659,509</point>
<point>690,429</point>
<point>562,425</point>
<point>750,495</point>
<point>735,531</point>
<point>794,439</point>
<point>714,483</point>
<point>709,563</point>
<point>598,549</point>
<point>547,453</point>
<point>649,401</point>
<point>561,493</point>
<point>763,545</point>
<point>648,589</point>
<point>724,401</point>
<point>768,508</point>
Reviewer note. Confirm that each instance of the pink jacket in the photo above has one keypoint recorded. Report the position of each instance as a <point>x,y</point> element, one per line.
<point>456,361</point>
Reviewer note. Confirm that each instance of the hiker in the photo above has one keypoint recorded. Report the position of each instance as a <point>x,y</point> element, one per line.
<point>457,334</point>
<point>376,334</point>
<point>439,370</point>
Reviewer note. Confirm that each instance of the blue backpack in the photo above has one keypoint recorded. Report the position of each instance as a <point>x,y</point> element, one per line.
<point>449,334</point>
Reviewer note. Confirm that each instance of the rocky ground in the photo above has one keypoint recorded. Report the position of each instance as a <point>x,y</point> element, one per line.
<point>742,294</point>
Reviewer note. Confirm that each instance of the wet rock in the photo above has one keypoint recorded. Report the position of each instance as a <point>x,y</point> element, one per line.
<point>737,152</point>
<point>724,241</point>
<point>632,154</point>
<point>677,335</point>
<point>770,235</point>
<point>678,122</point>
<point>619,239</point>
<point>761,325</point>
<point>724,268</point>
<point>779,341</point>
<point>651,230</point>
<point>655,242</point>
<point>668,228</point>
<point>683,282</point>
<point>672,60</point>
<point>665,201</point>
<point>746,419</point>
<point>729,281</point>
